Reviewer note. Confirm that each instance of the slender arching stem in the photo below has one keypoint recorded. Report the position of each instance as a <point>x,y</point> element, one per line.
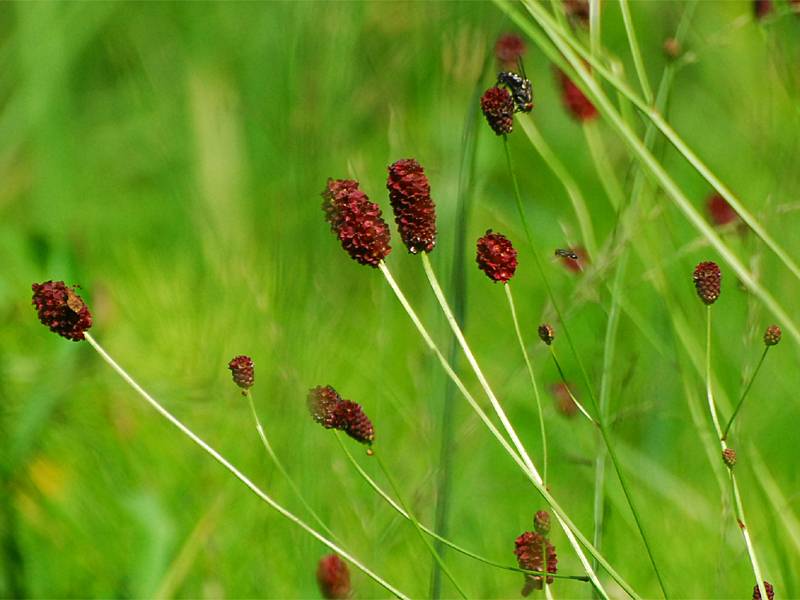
<point>279,464</point>
<point>236,473</point>
<point>744,394</point>
<point>535,387</point>
<point>416,524</point>
<point>402,512</point>
<point>737,499</point>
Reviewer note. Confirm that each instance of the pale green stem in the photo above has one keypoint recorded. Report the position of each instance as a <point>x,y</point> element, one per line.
<point>535,387</point>
<point>744,394</point>
<point>567,46</point>
<point>416,524</point>
<point>236,473</point>
<point>402,512</point>
<point>595,34</point>
<point>739,509</point>
<point>570,529</point>
<point>268,447</point>
<point>638,63</point>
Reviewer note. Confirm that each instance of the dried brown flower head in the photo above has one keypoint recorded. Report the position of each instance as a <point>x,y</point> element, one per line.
<point>535,553</point>
<point>508,49</point>
<point>243,371</point>
<point>333,577</point>
<point>577,11</point>
<point>61,309</point>
<point>767,588</point>
<point>414,211</point>
<point>564,403</point>
<point>497,105</point>
<point>356,221</point>
<point>577,104</point>
<point>707,281</point>
<point>546,333</point>
<point>729,457</point>
<point>331,411</point>
<point>496,256</point>
<point>541,522</point>
<point>772,335</point>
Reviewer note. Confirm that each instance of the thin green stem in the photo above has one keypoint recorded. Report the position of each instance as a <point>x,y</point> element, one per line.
<point>608,178</point>
<point>595,36</point>
<point>279,464</point>
<point>602,424</point>
<point>236,473</point>
<point>416,524</point>
<point>744,394</point>
<point>563,377</point>
<point>535,387</point>
<point>572,532</point>
<point>638,63</point>
<point>737,499</point>
<point>402,512</point>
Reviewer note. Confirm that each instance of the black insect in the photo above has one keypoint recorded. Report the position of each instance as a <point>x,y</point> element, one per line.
<point>519,86</point>
<point>566,253</point>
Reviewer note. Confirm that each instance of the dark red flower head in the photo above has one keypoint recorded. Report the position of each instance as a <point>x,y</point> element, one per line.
<point>414,211</point>
<point>508,48</point>
<point>719,210</point>
<point>331,411</point>
<point>772,335</point>
<point>578,105</point>
<point>243,371</point>
<point>61,309</point>
<point>575,260</point>
<point>707,279</point>
<point>496,256</point>
<point>356,221</point>
<point>761,8</point>
<point>767,588</point>
<point>535,553</point>
<point>333,577</point>
<point>497,105</point>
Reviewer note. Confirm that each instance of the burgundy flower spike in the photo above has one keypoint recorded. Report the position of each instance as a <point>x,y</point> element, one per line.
<point>61,309</point>
<point>356,221</point>
<point>707,279</point>
<point>496,257</point>
<point>414,211</point>
<point>333,577</point>
<point>535,553</point>
<point>497,105</point>
<point>331,411</point>
<point>243,371</point>
<point>578,105</point>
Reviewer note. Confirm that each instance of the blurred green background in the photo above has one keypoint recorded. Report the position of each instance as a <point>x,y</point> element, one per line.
<point>169,158</point>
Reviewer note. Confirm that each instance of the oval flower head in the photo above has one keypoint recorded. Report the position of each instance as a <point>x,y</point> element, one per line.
<point>497,105</point>
<point>496,256</point>
<point>707,280</point>
<point>356,221</point>
<point>331,411</point>
<point>61,309</point>
<point>414,211</point>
